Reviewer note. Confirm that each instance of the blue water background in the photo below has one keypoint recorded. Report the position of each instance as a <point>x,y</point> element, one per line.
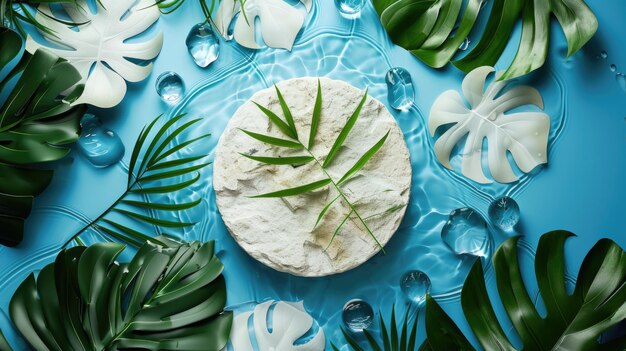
<point>581,190</point>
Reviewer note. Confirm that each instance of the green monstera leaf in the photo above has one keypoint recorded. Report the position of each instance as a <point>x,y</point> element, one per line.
<point>165,298</point>
<point>37,122</point>
<point>572,322</point>
<point>433,30</point>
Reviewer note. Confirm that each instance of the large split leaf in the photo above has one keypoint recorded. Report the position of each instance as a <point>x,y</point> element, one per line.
<point>280,22</point>
<point>99,47</point>
<point>426,28</point>
<point>572,321</point>
<point>522,134</point>
<point>165,298</point>
<point>37,122</point>
<point>290,322</point>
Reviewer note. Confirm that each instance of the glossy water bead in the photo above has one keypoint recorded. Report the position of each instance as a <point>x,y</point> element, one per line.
<point>100,146</point>
<point>400,91</point>
<point>202,44</point>
<point>357,315</point>
<point>504,213</point>
<point>415,285</point>
<point>350,8</point>
<point>170,87</point>
<point>466,232</point>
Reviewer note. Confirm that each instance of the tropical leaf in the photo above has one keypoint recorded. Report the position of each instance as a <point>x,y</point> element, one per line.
<point>572,321</point>
<point>426,28</point>
<point>392,338</point>
<point>37,123</point>
<point>288,129</point>
<point>289,324</point>
<point>523,134</point>
<point>153,162</point>
<point>100,49</point>
<point>166,298</point>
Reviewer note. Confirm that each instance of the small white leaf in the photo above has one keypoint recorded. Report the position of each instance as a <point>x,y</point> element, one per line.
<point>100,43</point>
<point>289,323</point>
<point>523,134</point>
<point>280,22</point>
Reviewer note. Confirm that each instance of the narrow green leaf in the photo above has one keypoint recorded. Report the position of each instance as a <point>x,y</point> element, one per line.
<point>274,141</point>
<point>175,163</point>
<point>394,329</point>
<point>119,236</point>
<point>441,331</point>
<point>155,221</point>
<point>179,147</point>
<point>163,207</point>
<point>351,341</point>
<point>155,140</point>
<point>338,229</point>
<point>364,159</point>
<point>317,113</point>
<point>185,126</point>
<point>166,188</point>
<point>297,190</point>
<point>171,174</point>
<point>295,160</point>
<point>372,341</point>
<point>284,127</point>
<point>384,333</point>
<point>138,236</point>
<point>344,133</point>
<point>286,112</point>
<point>324,210</point>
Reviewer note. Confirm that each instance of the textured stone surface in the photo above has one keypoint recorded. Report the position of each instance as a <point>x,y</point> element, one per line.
<point>279,231</point>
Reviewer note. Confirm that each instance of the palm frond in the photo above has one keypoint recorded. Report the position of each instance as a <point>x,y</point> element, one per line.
<point>391,338</point>
<point>152,163</point>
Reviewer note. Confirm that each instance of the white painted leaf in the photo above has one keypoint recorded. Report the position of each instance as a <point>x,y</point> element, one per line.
<point>280,22</point>
<point>100,43</point>
<point>523,134</point>
<point>289,323</point>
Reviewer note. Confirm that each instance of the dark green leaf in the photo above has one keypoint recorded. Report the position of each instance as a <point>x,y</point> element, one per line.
<point>287,113</point>
<point>274,141</point>
<point>317,113</point>
<point>297,190</point>
<point>167,298</point>
<point>167,188</point>
<point>164,207</point>
<point>155,221</point>
<point>294,160</point>
<point>364,159</point>
<point>284,127</point>
<point>572,321</point>
<point>171,174</point>
<point>344,132</point>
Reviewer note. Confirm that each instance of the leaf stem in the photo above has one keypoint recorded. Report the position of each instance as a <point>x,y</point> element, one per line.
<point>345,199</point>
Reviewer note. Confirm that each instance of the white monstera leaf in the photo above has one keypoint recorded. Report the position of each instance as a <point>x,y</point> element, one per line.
<point>280,21</point>
<point>101,43</point>
<point>290,322</point>
<point>523,134</point>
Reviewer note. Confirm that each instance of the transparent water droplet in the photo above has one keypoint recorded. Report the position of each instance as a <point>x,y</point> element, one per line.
<point>613,68</point>
<point>465,44</point>
<point>621,81</point>
<point>100,146</point>
<point>357,315</point>
<point>170,87</point>
<point>400,91</point>
<point>415,285</point>
<point>466,232</point>
<point>350,8</point>
<point>604,55</point>
<point>504,213</point>
<point>202,44</point>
